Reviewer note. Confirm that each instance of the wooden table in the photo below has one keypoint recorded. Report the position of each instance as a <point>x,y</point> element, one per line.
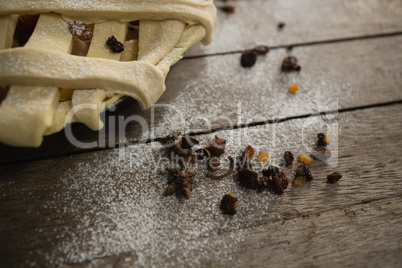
<point>104,206</point>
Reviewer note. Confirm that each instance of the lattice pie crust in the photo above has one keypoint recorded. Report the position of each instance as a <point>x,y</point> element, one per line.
<point>42,81</point>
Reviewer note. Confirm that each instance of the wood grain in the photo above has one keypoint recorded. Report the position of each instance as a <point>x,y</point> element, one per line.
<point>56,211</point>
<point>358,236</point>
<point>255,22</point>
<point>215,92</point>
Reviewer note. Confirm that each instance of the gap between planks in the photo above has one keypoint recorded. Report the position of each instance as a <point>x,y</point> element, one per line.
<point>304,44</point>
<point>241,126</point>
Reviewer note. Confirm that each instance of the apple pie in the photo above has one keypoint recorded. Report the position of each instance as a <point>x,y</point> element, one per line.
<point>64,61</point>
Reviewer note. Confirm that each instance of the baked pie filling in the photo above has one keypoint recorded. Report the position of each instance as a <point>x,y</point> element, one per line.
<point>81,56</point>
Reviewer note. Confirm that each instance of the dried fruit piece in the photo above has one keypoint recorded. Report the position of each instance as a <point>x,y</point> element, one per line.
<point>217,147</point>
<point>323,140</point>
<point>281,25</point>
<point>290,64</point>
<point>279,183</point>
<point>263,156</point>
<point>261,50</point>
<point>248,153</point>
<point>81,30</point>
<point>228,9</point>
<point>321,136</point>
<point>289,158</point>
<point>219,141</point>
<point>304,171</point>
<point>299,180</point>
<point>248,178</point>
<point>229,204</point>
<point>271,171</point>
<point>293,88</point>
<point>187,142</point>
<point>305,159</point>
<point>248,58</point>
<point>334,177</point>
<point>115,45</point>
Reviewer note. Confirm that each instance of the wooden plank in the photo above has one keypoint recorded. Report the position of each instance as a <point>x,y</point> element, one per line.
<point>215,92</point>
<point>110,205</point>
<point>357,236</point>
<point>255,22</point>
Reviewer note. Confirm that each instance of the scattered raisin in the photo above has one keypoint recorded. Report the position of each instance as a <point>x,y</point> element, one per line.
<point>115,45</point>
<point>229,204</point>
<point>248,58</point>
<point>81,30</point>
<point>321,139</point>
<point>228,9</point>
<point>270,171</point>
<point>289,158</point>
<point>321,136</point>
<point>248,178</point>
<point>261,50</point>
<point>278,183</point>
<point>304,171</point>
<point>290,64</point>
<point>334,177</point>
<point>281,25</point>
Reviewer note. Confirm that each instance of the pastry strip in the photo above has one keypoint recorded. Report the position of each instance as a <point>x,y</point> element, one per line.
<point>95,97</point>
<point>190,11</point>
<point>28,111</point>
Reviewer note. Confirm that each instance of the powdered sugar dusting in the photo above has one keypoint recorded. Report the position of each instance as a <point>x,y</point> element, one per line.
<point>114,203</point>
